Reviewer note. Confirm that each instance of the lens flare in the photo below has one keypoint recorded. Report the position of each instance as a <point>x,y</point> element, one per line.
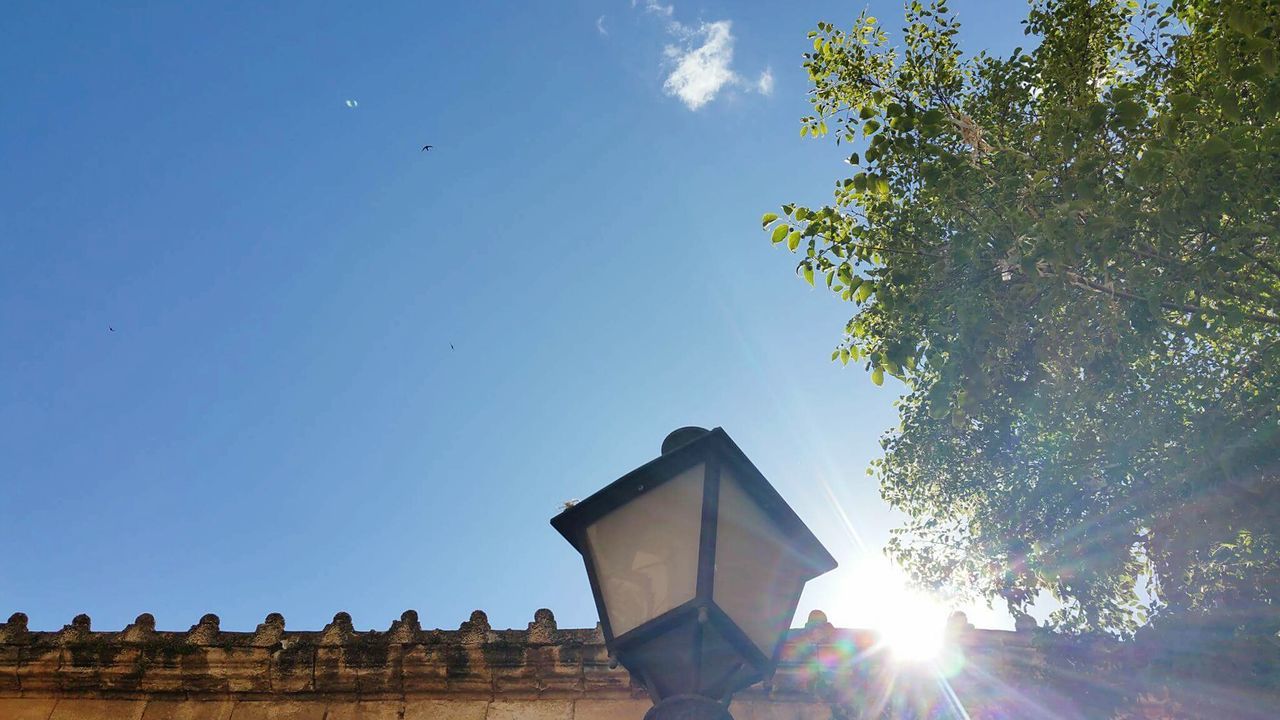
<point>911,623</point>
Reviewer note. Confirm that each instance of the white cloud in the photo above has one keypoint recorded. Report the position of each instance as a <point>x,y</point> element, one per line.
<point>657,8</point>
<point>702,71</point>
<point>764,85</point>
<point>701,59</point>
<point>600,28</point>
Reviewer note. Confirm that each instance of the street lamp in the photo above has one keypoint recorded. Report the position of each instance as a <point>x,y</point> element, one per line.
<point>696,564</point>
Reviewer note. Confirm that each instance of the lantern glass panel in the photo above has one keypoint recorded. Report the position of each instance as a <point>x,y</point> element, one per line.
<point>646,551</point>
<point>758,577</point>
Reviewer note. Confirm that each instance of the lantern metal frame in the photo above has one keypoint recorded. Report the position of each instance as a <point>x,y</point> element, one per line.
<point>685,449</point>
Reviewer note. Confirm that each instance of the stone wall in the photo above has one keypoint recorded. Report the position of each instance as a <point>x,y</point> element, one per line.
<point>539,673</point>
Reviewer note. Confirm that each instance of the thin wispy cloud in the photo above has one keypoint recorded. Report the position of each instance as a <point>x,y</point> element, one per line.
<point>657,8</point>
<point>600,28</point>
<point>764,85</point>
<point>700,61</point>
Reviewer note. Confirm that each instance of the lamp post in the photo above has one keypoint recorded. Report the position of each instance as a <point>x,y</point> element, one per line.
<point>696,564</point>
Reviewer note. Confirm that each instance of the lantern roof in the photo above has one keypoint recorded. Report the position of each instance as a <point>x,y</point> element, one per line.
<point>682,449</point>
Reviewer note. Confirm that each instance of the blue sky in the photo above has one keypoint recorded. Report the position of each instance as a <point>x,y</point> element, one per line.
<point>278,422</point>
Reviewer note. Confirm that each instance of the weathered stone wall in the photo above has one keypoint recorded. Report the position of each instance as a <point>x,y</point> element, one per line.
<point>539,673</point>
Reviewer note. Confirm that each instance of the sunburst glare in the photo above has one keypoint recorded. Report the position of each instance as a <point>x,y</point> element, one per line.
<point>911,623</point>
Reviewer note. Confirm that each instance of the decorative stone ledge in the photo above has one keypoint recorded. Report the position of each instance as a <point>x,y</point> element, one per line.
<point>540,672</point>
<point>474,660</point>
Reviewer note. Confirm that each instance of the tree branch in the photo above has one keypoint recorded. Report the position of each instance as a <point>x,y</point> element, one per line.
<point>1271,268</point>
<point>1083,282</point>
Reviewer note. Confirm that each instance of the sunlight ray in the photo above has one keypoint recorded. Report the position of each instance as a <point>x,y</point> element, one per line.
<point>953,700</point>
<point>845,522</point>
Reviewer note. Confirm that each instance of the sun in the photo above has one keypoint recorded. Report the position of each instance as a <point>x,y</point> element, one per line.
<point>911,623</point>
<point>915,630</point>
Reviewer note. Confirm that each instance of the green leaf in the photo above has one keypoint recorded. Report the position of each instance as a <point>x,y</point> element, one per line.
<point>780,233</point>
<point>1240,20</point>
<point>1267,58</point>
<point>808,274</point>
<point>1183,103</point>
<point>1215,147</point>
<point>1096,115</point>
<point>1129,113</point>
<point>793,240</point>
<point>877,376</point>
<point>767,219</point>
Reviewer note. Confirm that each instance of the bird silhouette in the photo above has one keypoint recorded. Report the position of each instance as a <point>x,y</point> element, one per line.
<point>111,328</point>
<point>427,147</point>
<point>450,346</point>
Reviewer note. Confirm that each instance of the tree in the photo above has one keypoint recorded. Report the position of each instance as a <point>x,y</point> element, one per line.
<point>1071,258</point>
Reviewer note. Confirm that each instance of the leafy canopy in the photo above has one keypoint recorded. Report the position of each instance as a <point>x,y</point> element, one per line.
<point>1070,256</point>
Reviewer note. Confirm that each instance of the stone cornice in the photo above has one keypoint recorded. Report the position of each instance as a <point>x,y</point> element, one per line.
<point>834,673</point>
<point>474,660</point>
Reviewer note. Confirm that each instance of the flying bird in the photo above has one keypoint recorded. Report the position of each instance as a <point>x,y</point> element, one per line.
<point>427,147</point>
<point>450,346</point>
<point>111,328</point>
